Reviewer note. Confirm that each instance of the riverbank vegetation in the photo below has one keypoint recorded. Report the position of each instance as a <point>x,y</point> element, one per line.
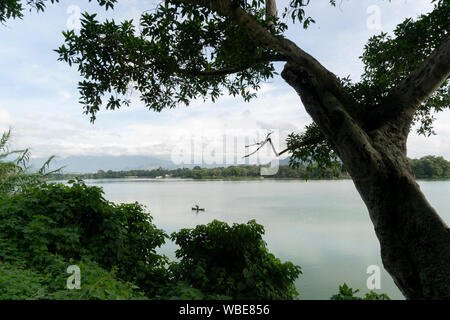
<point>431,167</point>
<point>198,173</point>
<point>46,228</point>
<point>428,167</point>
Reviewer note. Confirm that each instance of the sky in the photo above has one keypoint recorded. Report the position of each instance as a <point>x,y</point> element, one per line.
<point>39,96</point>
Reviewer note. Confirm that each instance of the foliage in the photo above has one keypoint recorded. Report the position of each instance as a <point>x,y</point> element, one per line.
<point>311,148</point>
<point>232,261</point>
<point>347,293</point>
<point>175,43</point>
<point>431,167</point>
<point>47,225</point>
<point>14,170</point>
<point>182,52</point>
<point>186,51</point>
<point>389,59</point>
<point>180,290</point>
<point>17,283</point>
<point>428,167</point>
<point>97,284</point>
<point>300,171</point>
<point>20,283</point>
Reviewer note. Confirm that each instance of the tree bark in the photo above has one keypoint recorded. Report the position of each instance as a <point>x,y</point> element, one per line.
<point>414,240</point>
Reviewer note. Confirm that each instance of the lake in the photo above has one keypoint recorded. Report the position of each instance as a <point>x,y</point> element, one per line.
<point>323,226</point>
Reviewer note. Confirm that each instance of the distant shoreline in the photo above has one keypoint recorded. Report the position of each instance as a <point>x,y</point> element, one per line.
<point>429,168</point>
<point>229,179</point>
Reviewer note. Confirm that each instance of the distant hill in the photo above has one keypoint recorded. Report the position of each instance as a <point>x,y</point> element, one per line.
<point>285,161</point>
<point>91,164</point>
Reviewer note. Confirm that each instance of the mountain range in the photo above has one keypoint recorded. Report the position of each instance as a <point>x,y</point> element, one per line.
<point>92,164</point>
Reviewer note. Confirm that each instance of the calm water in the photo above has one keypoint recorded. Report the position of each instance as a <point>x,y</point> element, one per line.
<point>321,225</point>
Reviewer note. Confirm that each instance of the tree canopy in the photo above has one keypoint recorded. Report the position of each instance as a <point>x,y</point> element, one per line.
<point>186,50</point>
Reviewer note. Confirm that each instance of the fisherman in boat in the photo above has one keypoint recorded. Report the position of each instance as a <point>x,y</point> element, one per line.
<point>197,208</point>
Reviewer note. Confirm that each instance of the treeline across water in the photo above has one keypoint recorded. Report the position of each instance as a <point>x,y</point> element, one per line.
<point>232,172</point>
<point>429,167</point>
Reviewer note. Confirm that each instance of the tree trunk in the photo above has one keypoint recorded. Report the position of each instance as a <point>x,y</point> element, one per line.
<point>414,240</point>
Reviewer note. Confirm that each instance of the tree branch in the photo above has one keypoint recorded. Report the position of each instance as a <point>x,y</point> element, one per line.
<point>304,143</point>
<point>402,102</point>
<point>260,145</point>
<point>219,72</point>
<point>271,11</point>
<point>283,46</point>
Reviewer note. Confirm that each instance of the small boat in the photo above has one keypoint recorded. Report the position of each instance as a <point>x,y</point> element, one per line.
<point>197,208</point>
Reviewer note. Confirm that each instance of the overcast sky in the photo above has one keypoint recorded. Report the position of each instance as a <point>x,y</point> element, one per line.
<point>38,94</point>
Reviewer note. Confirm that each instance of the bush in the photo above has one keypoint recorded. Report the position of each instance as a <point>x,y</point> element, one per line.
<point>44,228</point>
<point>14,170</point>
<point>347,293</point>
<point>431,167</point>
<point>47,225</point>
<point>232,261</point>
<point>18,283</point>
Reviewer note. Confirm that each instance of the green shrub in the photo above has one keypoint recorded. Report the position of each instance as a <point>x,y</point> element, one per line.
<point>232,261</point>
<point>17,283</point>
<point>14,171</point>
<point>347,293</point>
<point>47,225</point>
<point>44,228</point>
<point>96,284</point>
